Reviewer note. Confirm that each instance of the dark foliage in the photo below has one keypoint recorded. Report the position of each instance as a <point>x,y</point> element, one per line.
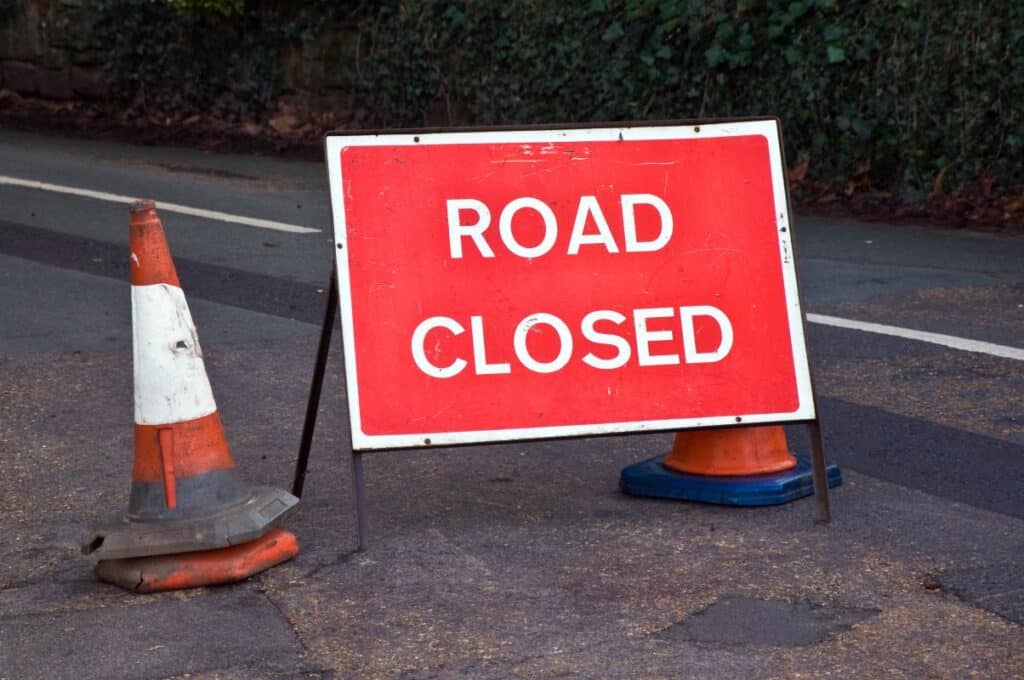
<point>906,95</point>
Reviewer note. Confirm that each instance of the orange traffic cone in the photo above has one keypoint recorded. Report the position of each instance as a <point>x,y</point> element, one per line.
<point>748,465</point>
<point>731,451</point>
<point>185,495</point>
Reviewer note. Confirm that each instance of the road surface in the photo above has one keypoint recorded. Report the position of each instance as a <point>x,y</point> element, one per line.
<point>513,560</point>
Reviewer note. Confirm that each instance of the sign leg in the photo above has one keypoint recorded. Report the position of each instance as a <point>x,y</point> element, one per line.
<point>819,472</point>
<point>313,405</point>
<point>360,494</point>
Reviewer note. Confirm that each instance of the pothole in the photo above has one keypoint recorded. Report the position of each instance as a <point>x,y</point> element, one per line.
<point>998,588</point>
<point>752,621</point>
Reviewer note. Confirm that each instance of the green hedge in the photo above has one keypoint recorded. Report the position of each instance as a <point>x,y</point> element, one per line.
<point>176,59</point>
<point>887,95</point>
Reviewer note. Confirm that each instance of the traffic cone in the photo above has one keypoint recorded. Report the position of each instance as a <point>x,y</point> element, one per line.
<point>186,495</point>
<point>749,465</point>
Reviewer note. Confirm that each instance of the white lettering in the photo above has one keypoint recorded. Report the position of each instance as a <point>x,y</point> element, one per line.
<point>523,353</point>
<point>589,206</point>
<point>457,230</point>
<point>508,237</point>
<point>686,315</point>
<point>419,354</point>
<point>480,351</point>
<point>645,337</point>
<point>622,349</point>
<point>629,203</point>
<point>590,333</point>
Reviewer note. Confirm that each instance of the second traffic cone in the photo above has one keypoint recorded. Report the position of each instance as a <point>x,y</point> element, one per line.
<point>186,495</point>
<point>748,465</point>
<point>731,451</point>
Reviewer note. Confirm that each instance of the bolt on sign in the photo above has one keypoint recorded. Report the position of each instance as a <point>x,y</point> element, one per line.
<point>511,284</point>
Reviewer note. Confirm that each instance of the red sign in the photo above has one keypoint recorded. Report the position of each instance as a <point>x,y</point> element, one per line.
<point>514,284</point>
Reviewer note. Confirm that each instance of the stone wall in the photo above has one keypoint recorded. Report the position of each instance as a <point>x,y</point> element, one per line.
<point>45,50</point>
<point>312,76</point>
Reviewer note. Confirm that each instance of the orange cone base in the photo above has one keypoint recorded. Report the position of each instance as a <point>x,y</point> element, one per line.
<point>731,451</point>
<point>203,568</point>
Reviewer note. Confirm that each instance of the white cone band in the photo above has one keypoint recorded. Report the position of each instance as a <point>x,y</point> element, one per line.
<point>170,378</point>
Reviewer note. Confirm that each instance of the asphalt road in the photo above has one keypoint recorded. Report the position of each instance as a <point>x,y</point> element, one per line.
<point>930,438</point>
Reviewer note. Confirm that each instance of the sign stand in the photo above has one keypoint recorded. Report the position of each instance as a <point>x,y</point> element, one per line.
<point>313,407</point>
<point>821,491</point>
<point>390,169</point>
<point>818,469</point>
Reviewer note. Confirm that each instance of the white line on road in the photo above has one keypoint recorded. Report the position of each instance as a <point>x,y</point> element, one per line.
<point>965,344</point>
<point>168,207</point>
<point>952,341</point>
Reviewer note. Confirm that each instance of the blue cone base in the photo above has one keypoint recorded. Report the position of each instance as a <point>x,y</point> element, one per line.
<point>651,478</point>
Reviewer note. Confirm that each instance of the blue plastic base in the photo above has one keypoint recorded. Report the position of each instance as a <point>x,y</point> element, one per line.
<point>651,478</point>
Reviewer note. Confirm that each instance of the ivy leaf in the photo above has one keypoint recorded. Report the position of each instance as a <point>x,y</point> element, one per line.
<point>834,32</point>
<point>835,54</point>
<point>613,32</point>
<point>715,55</point>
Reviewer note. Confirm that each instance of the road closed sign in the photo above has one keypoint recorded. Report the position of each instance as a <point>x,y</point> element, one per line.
<point>512,284</point>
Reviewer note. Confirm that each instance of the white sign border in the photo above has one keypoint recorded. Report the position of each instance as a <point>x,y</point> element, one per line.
<point>767,128</point>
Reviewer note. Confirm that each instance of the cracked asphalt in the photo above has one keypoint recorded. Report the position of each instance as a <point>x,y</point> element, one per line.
<point>513,560</point>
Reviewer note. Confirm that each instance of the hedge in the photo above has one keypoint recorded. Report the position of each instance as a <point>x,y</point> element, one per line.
<point>896,95</point>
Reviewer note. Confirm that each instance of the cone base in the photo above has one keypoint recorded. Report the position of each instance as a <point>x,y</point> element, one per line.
<point>205,568</point>
<point>246,522</point>
<point>652,479</point>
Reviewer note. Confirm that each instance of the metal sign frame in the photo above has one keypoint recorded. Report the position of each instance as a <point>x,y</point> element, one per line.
<point>338,293</point>
<point>618,134</point>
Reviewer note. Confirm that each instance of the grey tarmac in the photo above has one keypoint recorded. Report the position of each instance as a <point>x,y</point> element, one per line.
<point>513,560</point>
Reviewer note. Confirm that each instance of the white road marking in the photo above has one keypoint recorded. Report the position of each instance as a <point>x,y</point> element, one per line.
<point>952,341</point>
<point>964,344</point>
<point>161,205</point>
